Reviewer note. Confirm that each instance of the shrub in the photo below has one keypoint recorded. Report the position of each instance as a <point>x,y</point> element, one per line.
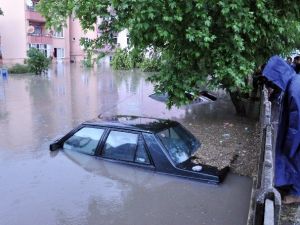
<point>136,57</point>
<point>121,60</point>
<point>37,61</point>
<point>19,69</point>
<point>88,62</point>
<point>151,64</point>
<point>91,58</point>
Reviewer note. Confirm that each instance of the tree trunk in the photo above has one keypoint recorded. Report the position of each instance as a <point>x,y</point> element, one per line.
<point>240,106</point>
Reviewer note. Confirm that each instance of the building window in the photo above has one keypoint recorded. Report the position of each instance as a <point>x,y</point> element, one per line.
<point>127,40</point>
<point>42,47</point>
<point>114,38</point>
<point>58,34</point>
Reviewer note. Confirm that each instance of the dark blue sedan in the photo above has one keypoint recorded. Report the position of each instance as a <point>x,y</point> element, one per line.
<point>163,146</point>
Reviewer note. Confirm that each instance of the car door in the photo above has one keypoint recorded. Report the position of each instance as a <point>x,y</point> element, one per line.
<point>127,147</point>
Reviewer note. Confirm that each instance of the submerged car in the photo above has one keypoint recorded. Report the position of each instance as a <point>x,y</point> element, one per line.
<point>163,146</point>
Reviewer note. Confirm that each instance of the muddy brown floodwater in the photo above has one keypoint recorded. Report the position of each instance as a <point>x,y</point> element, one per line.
<point>39,187</point>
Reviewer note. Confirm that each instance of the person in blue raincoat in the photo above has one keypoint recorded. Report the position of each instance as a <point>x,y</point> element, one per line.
<point>282,77</point>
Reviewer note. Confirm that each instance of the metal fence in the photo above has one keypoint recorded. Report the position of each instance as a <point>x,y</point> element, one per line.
<point>266,199</point>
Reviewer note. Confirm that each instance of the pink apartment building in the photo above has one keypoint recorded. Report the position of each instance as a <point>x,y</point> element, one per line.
<point>22,28</point>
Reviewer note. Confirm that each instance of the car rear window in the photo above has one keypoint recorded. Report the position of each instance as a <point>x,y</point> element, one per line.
<point>125,146</point>
<point>120,145</point>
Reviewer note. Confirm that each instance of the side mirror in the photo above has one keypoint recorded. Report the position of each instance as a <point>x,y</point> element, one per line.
<point>55,145</point>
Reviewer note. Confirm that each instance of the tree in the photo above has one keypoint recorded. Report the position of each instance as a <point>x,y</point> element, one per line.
<point>213,42</point>
<point>37,61</point>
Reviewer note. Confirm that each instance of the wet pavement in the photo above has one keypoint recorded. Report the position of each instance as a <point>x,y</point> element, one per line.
<point>39,187</point>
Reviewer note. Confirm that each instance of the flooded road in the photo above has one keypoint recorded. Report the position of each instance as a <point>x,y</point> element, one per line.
<point>39,187</point>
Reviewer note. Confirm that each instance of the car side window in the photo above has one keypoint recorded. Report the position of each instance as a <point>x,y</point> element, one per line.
<point>120,145</point>
<point>85,140</point>
<point>141,154</point>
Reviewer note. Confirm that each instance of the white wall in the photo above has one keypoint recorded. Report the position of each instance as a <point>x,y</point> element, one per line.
<point>122,39</point>
<point>13,31</point>
<point>76,32</point>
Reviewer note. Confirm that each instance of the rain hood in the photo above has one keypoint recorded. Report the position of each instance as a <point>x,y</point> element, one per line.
<point>278,72</point>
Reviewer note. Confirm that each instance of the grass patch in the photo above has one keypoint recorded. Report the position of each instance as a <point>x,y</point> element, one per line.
<point>19,69</point>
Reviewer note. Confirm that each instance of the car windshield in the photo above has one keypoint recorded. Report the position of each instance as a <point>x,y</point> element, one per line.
<point>179,142</point>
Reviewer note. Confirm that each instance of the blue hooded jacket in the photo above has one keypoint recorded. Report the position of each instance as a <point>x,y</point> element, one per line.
<point>287,154</point>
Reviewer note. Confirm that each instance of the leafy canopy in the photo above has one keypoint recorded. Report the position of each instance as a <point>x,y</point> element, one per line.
<point>216,42</point>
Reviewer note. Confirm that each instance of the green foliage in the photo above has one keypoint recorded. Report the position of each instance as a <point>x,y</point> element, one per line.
<point>136,57</point>
<point>91,56</point>
<point>121,60</point>
<point>151,65</point>
<point>218,43</point>
<point>37,61</point>
<point>88,60</point>
<point>19,69</point>
<point>87,63</point>
<point>153,61</point>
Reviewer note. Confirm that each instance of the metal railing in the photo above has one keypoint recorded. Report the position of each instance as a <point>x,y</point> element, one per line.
<point>40,34</point>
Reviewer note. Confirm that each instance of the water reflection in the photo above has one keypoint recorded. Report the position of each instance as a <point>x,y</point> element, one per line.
<point>127,195</point>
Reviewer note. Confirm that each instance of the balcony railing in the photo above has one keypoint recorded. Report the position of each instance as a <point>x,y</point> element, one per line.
<point>32,15</point>
<point>40,38</point>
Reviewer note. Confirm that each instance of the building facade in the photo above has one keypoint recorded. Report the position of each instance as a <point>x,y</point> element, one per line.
<point>76,33</point>
<point>21,28</point>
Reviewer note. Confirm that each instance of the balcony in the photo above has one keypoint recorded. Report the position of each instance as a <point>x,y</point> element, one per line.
<point>39,39</point>
<point>32,15</point>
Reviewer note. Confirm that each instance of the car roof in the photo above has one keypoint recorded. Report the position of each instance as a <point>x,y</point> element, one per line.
<point>139,123</point>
